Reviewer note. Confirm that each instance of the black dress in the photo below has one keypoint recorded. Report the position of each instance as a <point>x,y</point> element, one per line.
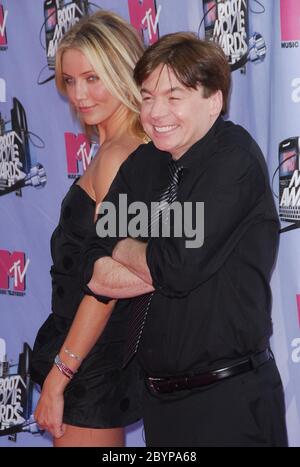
<point>101,394</point>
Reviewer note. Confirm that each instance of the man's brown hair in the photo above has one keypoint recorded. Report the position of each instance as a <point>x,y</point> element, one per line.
<point>193,61</point>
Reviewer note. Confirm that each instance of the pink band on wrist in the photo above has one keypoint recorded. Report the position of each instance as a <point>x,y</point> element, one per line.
<point>63,368</point>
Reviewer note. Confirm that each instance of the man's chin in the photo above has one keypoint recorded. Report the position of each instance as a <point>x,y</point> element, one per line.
<point>161,146</point>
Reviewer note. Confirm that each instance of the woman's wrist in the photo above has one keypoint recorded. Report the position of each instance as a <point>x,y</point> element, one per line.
<point>56,382</point>
<point>64,368</point>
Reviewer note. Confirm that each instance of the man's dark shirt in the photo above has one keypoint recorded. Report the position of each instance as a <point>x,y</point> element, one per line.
<point>212,304</point>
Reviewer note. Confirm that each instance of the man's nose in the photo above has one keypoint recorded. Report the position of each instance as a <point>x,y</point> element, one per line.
<point>159,108</point>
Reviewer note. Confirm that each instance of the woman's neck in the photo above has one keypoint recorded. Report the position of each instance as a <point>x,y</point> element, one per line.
<point>112,128</point>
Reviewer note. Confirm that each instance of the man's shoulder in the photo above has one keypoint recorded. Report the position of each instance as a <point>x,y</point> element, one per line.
<point>233,135</point>
<point>237,153</point>
<point>235,140</point>
<point>148,150</point>
<point>147,156</point>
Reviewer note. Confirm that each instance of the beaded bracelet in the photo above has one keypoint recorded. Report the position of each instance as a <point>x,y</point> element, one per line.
<point>63,368</point>
<point>73,355</point>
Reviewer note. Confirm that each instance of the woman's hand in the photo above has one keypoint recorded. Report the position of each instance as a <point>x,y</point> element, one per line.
<point>49,411</point>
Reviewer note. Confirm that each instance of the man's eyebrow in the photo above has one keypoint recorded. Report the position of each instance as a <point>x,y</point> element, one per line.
<point>168,91</point>
<point>146,90</point>
<point>176,88</point>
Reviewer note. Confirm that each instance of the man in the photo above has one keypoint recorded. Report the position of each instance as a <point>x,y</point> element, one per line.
<point>210,377</point>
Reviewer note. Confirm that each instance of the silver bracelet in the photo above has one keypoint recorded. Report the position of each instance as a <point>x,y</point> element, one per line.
<point>73,355</point>
<point>63,368</point>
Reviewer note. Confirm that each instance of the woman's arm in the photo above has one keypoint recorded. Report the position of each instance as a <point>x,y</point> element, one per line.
<point>91,316</point>
<point>88,325</point>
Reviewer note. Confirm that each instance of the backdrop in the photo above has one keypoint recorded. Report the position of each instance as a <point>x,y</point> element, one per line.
<point>42,150</point>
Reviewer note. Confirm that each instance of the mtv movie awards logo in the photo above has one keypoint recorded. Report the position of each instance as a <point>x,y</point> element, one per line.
<point>144,16</point>
<point>78,152</point>
<point>16,168</point>
<point>226,22</point>
<point>290,23</point>
<point>60,16</point>
<point>3,20</point>
<point>289,182</point>
<point>13,269</point>
<point>15,393</point>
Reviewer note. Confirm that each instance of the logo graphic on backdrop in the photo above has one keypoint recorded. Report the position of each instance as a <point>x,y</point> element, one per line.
<point>296,341</point>
<point>78,149</point>
<point>289,182</point>
<point>226,22</point>
<point>59,17</point>
<point>144,16</point>
<point>15,394</point>
<point>16,167</point>
<point>295,84</point>
<point>3,20</point>
<point>13,269</point>
<point>290,23</point>
<point>2,90</point>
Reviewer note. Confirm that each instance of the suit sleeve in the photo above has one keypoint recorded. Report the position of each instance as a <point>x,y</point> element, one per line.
<point>96,245</point>
<point>231,189</point>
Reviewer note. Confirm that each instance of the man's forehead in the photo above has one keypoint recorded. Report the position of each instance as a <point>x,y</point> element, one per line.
<point>162,78</point>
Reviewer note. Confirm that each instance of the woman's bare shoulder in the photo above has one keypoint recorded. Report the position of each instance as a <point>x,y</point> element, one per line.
<point>108,161</point>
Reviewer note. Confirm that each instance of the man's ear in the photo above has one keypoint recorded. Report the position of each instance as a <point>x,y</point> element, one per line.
<point>216,103</point>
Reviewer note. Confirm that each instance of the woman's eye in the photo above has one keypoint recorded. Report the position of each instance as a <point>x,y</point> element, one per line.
<point>92,78</point>
<point>68,81</point>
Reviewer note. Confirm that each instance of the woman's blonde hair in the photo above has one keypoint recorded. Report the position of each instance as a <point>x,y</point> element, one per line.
<point>112,47</point>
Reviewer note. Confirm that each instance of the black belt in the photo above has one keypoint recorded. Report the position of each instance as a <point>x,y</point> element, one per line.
<point>169,384</point>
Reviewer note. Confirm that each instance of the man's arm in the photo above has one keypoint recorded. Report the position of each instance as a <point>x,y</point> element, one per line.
<point>132,254</point>
<point>112,279</point>
<point>231,195</point>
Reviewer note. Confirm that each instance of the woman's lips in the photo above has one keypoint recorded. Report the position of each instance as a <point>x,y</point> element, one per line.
<point>86,109</point>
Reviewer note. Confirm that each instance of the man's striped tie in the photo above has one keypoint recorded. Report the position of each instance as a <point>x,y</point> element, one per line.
<point>141,304</point>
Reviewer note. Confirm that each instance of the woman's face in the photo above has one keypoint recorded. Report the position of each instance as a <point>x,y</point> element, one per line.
<point>85,90</point>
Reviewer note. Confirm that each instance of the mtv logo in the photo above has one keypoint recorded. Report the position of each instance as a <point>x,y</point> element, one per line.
<point>290,20</point>
<point>3,19</point>
<point>78,149</point>
<point>14,267</point>
<point>144,17</point>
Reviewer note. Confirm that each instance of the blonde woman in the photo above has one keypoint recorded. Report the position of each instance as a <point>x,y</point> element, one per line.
<point>86,397</point>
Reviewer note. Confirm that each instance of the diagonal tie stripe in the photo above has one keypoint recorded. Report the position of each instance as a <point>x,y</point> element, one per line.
<point>141,304</point>
<point>169,195</point>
